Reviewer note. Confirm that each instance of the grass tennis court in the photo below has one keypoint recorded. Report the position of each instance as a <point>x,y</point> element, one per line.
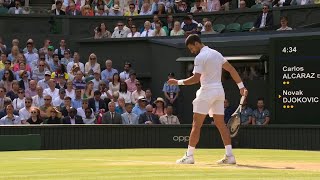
<point>149,164</point>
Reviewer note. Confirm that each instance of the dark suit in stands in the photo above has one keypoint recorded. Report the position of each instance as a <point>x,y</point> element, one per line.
<point>71,13</point>
<point>78,120</point>
<point>92,104</point>
<point>53,12</point>
<point>269,21</point>
<point>144,118</point>
<point>21,84</point>
<point>107,119</point>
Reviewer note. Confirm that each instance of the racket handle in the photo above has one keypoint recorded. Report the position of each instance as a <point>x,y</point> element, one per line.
<point>242,99</point>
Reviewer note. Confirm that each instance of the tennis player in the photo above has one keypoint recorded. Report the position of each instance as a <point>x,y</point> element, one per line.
<point>210,97</point>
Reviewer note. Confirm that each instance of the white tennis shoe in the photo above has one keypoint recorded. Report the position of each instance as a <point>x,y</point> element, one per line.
<point>227,160</point>
<point>185,160</point>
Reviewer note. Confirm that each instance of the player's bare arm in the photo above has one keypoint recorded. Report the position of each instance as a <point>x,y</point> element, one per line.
<point>189,81</point>
<point>236,77</point>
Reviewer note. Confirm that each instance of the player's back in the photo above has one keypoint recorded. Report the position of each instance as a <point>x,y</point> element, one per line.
<point>209,63</point>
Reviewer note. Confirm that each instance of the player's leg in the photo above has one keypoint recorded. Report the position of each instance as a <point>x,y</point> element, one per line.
<point>193,139</point>
<point>217,111</point>
<point>200,110</point>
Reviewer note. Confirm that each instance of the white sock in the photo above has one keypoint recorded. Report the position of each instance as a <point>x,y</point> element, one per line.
<point>190,150</point>
<point>228,150</point>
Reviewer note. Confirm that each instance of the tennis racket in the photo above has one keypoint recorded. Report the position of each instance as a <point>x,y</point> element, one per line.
<point>234,122</point>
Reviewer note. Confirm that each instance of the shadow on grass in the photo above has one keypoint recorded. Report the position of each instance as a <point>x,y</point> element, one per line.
<point>249,166</point>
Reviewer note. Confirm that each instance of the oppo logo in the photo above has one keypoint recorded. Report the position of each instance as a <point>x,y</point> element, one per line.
<point>180,138</point>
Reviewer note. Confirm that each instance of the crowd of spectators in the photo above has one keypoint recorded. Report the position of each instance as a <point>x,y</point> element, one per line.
<point>52,86</point>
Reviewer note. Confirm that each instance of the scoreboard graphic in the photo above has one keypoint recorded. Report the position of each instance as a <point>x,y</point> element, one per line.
<point>296,80</point>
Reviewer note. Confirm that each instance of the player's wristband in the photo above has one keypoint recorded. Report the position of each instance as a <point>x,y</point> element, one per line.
<point>180,82</point>
<point>240,85</point>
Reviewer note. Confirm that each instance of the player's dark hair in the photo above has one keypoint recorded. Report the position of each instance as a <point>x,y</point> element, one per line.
<point>261,99</point>
<point>192,39</point>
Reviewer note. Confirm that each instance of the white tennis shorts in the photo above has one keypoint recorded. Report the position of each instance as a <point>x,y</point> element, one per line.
<point>209,101</point>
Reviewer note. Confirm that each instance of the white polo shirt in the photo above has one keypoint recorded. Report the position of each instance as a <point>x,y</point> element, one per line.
<point>53,94</point>
<point>209,63</point>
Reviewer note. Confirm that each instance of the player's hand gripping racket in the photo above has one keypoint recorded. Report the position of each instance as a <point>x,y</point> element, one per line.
<point>234,122</point>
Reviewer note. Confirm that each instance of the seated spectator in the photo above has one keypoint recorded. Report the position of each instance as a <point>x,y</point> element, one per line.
<point>81,110</point>
<point>133,32</point>
<point>61,81</point>
<point>78,82</point>
<point>32,90</point>
<point>46,108</point>
<point>65,106</point>
<point>243,5</point>
<point>22,73</point>
<point>77,101</point>
<point>19,102</point>
<point>120,32</point>
<point>169,118</point>
<point>129,117</point>
<point>140,107</point>
<point>3,58</point>
<point>150,100</point>
<point>88,91</point>
<point>124,75</point>
<point>132,10</point>
<point>284,24</point>
<point>189,27</point>
<point>111,117</point>
<point>169,23</point>
<point>3,9</point>
<point>17,9</point>
<point>67,58</point>
<point>92,65</point>
<point>177,31</point>
<point>264,20</point>
<point>14,54</point>
<point>44,49</point>
<point>145,10</point>
<point>120,108</point>
<point>246,114</point>
<point>124,93</point>
<point>181,6</point>
<point>98,3</point>
<point>198,8</point>
<point>228,111</point>
<point>62,48</point>
<point>101,11</point>
<point>39,72</point>
<point>107,74</point>
<point>89,119</point>
<point>104,90</point>
<point>76,60</point>
<point>55,64</point>
<point>72,11</point>
<point>54,117</point>
<point>137,93</point>
<point>10,118</point>
<point>96,80</point>
<point>59,100</point>
<point>208,28</point>
<point>148,117</point>
<point>35,116</point>
<point>159,108</point>
<point>3,112</point>
<point>101,32</point>
<point>96,103</point>
<point>52,90</point>
<point>261,115</point>
<point>299,2</point>
<point>3,97</point>
<point>72,118</point>
<point>24,80</point>
<point>44,82</point>
<point>25,113</point>
<point>114,85</point>
<point>6,67</point>
<point>21,64</point>
<point>38,100</point>
<point>87,11</point>
<point>213,5</point>
<point>161,9</point>
<point>69,90</point>
<point>147,32</point>
<point>7,80</point>
<point>13,94</point>
<point>58,11</point>
<point>159,31</point>
<point>115,11</point>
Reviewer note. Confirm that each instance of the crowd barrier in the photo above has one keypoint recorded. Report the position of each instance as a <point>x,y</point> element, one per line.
<point>56,137</point>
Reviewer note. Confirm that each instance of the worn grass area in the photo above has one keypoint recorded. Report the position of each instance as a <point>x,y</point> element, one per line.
<point>149,164</point>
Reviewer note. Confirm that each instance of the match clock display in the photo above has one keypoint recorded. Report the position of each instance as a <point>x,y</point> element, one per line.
<point>296,64</point>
